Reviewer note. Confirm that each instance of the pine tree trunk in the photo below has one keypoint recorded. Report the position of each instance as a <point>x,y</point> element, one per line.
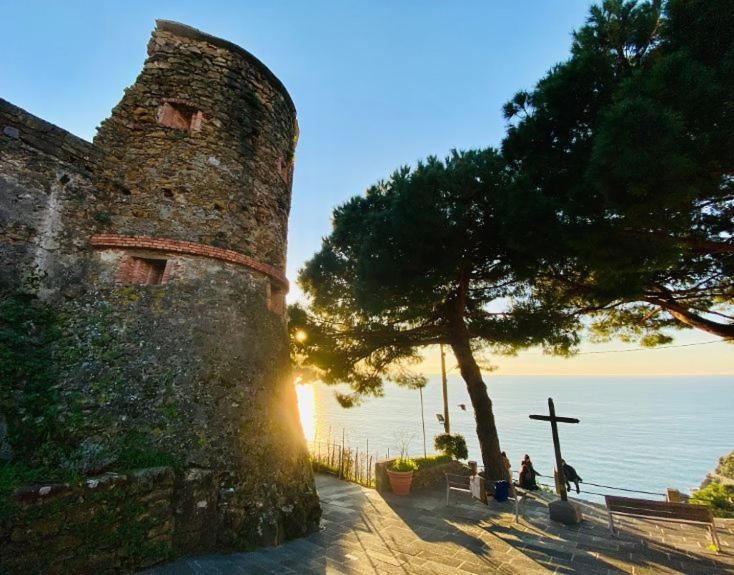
<point>489,442</point>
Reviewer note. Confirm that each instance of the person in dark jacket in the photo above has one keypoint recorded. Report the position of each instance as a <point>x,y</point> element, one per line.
<point>528,474</point>
<point>571,476</point>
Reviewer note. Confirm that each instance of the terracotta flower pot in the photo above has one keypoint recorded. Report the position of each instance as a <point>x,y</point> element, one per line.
<point>400,481</point>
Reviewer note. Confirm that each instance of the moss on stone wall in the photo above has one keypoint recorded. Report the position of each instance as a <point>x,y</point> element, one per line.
<point>52,430</point>
<point>193,373</point>
<point>29,398</point>
<point>109,524</point>
<point>14,476</point>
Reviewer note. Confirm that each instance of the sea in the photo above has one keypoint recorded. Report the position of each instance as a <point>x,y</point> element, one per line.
<point>645,434</point>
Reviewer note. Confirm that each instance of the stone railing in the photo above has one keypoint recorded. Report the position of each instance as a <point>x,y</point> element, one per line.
<point>108,524</point>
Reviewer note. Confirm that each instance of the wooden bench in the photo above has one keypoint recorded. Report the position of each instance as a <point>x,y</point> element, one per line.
<point>662,511</point>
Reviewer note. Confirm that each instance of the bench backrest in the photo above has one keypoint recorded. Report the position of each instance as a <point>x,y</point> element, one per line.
<point>659,509</point>
<point>454,480</point>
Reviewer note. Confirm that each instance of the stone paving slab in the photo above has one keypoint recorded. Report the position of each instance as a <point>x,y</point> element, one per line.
<point>365,533</point>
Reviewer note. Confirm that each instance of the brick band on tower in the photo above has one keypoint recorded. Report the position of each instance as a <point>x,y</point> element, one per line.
<point>188,248</point>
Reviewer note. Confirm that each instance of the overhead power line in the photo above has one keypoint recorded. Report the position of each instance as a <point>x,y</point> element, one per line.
<point>634,349</point>
<point>655,347</point>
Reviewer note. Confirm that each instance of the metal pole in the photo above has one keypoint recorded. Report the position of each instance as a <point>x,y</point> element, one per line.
<point>557,449</point>
<point>423,421</point>
<point>444,384</point>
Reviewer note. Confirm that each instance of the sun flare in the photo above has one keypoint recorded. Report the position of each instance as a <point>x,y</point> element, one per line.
<point>306,396</point>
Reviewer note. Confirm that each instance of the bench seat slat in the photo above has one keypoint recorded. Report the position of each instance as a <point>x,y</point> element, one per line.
<point>693,514</point>
<point>659,509</point>
<point>651,503</point>
<point>664,519</point>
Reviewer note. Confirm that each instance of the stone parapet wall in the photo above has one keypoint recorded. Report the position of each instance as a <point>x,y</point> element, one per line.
<point>430,477</point>
<point>17,124</point>
<point>112,523</point>
<point>434,476</point>
<point>49,206</point>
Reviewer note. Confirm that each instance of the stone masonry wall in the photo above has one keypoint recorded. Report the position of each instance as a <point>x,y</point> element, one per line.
<point>192,172</point>
<point>111,523</point>
<point>430,477</point>
<point>435,476</point>
<point>48,204</point>
<point>225,182</point>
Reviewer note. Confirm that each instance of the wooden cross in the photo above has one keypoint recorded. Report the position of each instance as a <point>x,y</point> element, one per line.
<point>554,419</point>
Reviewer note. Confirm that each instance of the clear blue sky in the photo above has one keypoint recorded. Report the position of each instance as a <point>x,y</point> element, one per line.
<point>377,84</point>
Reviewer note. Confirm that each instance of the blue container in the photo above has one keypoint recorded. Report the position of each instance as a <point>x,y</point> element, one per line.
<point>501,490</point>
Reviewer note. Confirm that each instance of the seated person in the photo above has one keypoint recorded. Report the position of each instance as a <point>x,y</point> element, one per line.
<point>571,476</point>
<point>528,474</point>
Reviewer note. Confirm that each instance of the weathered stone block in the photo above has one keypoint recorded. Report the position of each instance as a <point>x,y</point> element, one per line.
<point>565,512</point>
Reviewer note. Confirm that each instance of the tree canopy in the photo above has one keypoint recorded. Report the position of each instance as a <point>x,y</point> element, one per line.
<point>415,262</point>
<point>612,196</point>
<point>622,192</point>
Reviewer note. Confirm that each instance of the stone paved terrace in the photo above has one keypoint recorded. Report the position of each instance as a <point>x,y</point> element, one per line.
<point>366,533</point>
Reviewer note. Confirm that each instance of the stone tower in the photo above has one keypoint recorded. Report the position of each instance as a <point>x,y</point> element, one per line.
<point>203,146</point>
<point>162,248</point>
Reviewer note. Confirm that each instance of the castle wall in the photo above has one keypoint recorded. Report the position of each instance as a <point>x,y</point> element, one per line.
<point>48,204</point>
<point>159,251</point>
<point>199,367</point>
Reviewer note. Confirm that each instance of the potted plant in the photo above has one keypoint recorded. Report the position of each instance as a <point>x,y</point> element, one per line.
<point>400,474</point>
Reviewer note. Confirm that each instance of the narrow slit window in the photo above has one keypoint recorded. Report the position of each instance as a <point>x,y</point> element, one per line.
<point>276,298</point>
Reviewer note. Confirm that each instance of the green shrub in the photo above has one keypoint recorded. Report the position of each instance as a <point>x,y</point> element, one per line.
<point>404,464</point>
<point>720,498</point>
<point>431,460</point>
<point>452,445</point>
<point>726,465</point>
